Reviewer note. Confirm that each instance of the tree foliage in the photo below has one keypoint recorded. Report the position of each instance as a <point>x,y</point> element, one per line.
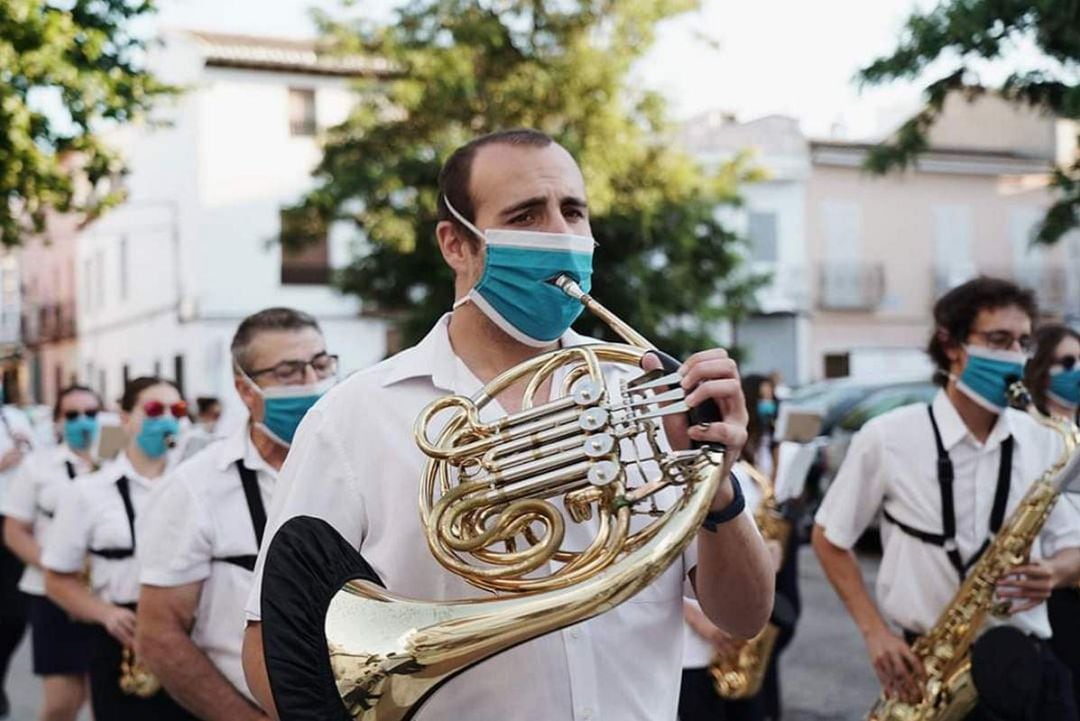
<point>65,69</point>
<point>965,32</point>
<point>464,68</point>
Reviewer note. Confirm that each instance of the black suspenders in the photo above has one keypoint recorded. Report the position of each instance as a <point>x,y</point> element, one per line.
<point>115,554</point>
<point>250,482</point>
<point>71,476</point>
<point>947,538</point>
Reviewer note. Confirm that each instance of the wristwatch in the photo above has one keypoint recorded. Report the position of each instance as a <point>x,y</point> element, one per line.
<point>732,510</point>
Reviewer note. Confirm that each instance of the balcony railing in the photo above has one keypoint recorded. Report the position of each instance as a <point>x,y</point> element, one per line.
<point>49,323</point>
<point>850,286</point>
<point>1056,285</point>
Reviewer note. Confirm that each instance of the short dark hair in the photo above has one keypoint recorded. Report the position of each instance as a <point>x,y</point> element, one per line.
<point>1037,370</point>
<point>67,391</point>
<point>134,388</point>
<point>269,319</point>
<point>203,404</point>
<point>457,170</point>
<point>956,311</point>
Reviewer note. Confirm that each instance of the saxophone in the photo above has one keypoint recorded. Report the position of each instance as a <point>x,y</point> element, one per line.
<point>948,692</point>
<point>135,678</point>
<point>740,673</point>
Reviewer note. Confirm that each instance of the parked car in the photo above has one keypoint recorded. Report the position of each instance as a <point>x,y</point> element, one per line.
<point>870,406</point>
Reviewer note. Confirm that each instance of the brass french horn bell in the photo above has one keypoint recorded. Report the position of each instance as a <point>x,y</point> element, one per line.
<point>495,501</point>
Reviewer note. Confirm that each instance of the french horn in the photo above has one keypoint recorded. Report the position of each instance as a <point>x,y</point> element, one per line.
<point>495,501</point>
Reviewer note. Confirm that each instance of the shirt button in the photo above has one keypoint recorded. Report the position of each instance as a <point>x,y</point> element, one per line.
<point>586,713</point>
<point>575,634</point>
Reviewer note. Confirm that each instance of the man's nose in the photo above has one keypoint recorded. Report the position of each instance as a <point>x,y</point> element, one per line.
<point>310,376</point>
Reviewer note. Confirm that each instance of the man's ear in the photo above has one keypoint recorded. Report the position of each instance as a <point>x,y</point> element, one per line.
<point>953,351</point>
<point>456,249</point>
<point>248,396</point>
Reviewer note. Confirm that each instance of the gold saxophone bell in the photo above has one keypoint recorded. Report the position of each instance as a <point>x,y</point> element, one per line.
<point>135,678</point>
<point>948,692</point>
<point>496,497</point>
<point>740,673</point>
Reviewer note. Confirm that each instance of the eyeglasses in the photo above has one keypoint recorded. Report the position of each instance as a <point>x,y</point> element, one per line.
<point>1005,340</point>
<point>1067,361</point>
<point>155,409</point>
<point>73,415</point>
<point>292,371</point>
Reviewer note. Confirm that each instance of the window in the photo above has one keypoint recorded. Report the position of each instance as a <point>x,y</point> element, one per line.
<point>301,112</point>
<point>88,283</point>
<point>837,365</point>
<point>762,232</point>
<point>99,279</point>
<point>305,255</point>
<point>123,268</point>
<point>178,372</point>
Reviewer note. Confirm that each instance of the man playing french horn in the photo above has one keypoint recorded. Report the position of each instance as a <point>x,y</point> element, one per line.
<point>948,479</point>
<point>513,217</point>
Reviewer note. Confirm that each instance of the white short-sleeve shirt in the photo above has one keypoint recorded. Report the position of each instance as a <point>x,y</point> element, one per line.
<point>198,518</point>
<point>91,516</point>
<point>33,495</point>
<point>16,423</point>
<point>354,463</point>
<point>892,464</point>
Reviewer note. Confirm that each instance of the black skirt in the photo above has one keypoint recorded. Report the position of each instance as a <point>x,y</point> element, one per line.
<point>61,645</point>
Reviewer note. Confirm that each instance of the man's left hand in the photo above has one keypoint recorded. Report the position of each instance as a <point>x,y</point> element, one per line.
<point>1026,586</point>
<point>710,375</point>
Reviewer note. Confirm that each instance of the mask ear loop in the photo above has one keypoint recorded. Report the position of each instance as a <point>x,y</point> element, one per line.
<point>476,231</point>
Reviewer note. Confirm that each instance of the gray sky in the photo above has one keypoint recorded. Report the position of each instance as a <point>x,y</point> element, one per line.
<point>768,56</point>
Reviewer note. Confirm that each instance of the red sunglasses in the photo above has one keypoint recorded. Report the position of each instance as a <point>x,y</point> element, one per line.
<point>153,409</point>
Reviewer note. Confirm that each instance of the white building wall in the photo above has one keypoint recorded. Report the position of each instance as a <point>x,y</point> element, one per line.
<point>199,231</point>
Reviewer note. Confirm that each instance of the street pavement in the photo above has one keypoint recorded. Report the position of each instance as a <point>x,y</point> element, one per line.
<point>824,671</point>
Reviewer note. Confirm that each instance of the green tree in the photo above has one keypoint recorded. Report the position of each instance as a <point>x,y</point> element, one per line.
<point>463,68</point>
<point>66,69</point>
<point>964,33</point>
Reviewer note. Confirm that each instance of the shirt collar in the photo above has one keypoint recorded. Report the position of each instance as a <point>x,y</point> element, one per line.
<point>433,357</point>
<point>953,429</point>
<point>68,456</point>
<point>238,446</point>
<point>122,467</point>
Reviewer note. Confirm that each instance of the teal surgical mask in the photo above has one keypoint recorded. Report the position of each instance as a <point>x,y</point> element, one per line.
<point>766,409</point>
<point>988,374</point>
<point>157,435</point>
<point>285,406</point>
<point>1065,386</point>
<point>515,292</point>
<point>81,432</point>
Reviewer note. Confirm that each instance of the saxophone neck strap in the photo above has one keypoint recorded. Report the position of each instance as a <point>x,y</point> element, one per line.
<point>945,476</point>
<point>249,480</point>
<point>123,487</point>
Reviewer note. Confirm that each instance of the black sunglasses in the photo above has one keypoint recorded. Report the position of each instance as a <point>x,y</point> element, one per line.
<point>72,415</point>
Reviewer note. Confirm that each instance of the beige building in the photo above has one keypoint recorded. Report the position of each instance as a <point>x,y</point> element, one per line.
<point>858,260</point>
<point>50,354</point>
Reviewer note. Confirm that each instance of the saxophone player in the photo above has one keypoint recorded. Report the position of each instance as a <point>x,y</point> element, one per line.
<point>943,477</point>
<point>96,518</point>
<point>512,215</point>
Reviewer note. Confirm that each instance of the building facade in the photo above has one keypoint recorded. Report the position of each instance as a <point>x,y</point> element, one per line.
<point>858,260</point>
<point>164,279</point>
